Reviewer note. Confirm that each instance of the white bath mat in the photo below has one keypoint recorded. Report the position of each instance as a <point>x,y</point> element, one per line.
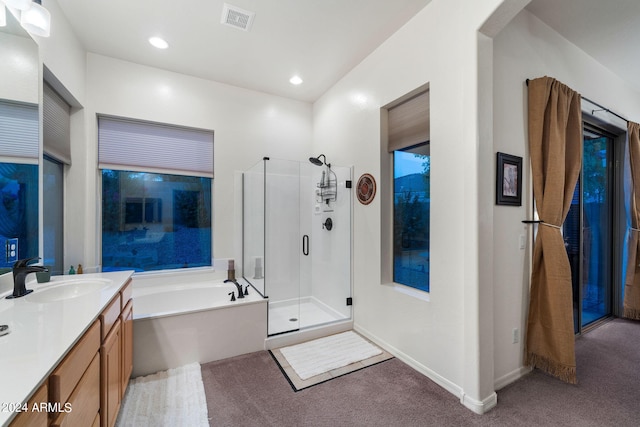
<point>169,398</point>
<point>326,354</point>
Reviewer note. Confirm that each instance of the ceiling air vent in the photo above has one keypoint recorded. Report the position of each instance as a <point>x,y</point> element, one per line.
<point>238,18</point>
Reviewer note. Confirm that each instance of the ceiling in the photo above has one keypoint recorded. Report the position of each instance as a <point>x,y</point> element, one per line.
<point>319,40</point>
<point>608,31</point>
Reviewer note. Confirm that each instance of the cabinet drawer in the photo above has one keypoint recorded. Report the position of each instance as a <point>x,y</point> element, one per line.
<point>65,377</point>
<point>109,316</point>
<point>125,294</point>
<point>33,418</point>
<point>84,402</point>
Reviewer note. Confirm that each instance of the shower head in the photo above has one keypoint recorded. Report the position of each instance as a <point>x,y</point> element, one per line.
<point>316,160</point>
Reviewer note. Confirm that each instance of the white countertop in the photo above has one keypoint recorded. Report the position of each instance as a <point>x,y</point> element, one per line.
<point>43,332</point>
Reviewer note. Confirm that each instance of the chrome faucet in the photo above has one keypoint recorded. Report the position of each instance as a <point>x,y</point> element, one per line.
<point>20,271</point>
<point>238,286</point>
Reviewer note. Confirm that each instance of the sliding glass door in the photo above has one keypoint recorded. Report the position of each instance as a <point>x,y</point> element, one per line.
<point>589,233</point>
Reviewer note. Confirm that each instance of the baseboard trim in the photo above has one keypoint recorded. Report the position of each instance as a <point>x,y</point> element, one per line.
<point>477,406</point>
<point>432,375</point>
<point>511,377</point>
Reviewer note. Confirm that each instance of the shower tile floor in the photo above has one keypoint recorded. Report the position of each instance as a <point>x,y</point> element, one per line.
<point>287,316</point>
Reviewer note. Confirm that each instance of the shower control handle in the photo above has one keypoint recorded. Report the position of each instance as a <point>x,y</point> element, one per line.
<point>305,245</point>
<point>328,224</point>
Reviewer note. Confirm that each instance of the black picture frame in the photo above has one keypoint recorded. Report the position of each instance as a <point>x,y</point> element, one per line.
<point>508,180</point>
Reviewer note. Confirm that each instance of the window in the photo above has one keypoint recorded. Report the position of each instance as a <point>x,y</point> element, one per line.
<point>411,202</point>
<point>155,216</point>
<point>53,211</point>
<point>408,205</point>
<point>137,234</point>
<point>56,134</point>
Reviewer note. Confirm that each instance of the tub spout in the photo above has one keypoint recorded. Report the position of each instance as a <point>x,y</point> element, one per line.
<point>238,287</point>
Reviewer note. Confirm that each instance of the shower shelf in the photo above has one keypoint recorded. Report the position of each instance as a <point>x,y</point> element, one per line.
<point>327,191</point>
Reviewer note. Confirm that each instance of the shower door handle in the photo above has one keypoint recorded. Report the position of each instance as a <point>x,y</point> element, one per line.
<point>305,245</point>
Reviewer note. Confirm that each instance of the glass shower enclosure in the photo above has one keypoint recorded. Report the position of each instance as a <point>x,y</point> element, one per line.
<point>297,241</point>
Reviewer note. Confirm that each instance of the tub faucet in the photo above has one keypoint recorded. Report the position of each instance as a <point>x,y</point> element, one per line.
<point>238,286</point>
<point>20,271</point>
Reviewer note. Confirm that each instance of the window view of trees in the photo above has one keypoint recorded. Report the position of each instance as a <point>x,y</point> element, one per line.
<point>412,175</point>
<point>155,221</point>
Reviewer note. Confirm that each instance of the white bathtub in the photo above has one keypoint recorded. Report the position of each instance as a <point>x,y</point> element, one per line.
<point>167,300</point>
<point>186,319</point>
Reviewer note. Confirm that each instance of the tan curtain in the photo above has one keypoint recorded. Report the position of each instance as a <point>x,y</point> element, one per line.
<point>632,281</point>
<point>555,147</point>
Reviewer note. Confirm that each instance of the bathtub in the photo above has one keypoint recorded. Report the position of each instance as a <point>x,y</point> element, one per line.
<point>185,319</point>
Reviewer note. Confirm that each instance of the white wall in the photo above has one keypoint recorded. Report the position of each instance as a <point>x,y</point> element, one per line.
<point>440,337</point>
<point>19,71</point>
<point>446,337</point>
<point>62,52</point>
<point>248,125</point>
<point>527,48</point>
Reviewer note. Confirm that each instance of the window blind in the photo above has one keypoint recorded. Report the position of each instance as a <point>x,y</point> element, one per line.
<point>127,144</point>
<point>19,137</point>
<point>56,126</point>
<point>409,123</point>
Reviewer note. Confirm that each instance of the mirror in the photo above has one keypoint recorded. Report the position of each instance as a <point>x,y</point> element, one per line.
<point>19,73</point>
<point>19,128</point>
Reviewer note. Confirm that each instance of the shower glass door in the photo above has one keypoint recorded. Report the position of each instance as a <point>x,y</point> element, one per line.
<point>297,241</point>
<point>283,241</point>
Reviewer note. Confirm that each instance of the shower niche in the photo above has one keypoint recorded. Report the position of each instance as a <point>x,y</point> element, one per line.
<point>297,241</point>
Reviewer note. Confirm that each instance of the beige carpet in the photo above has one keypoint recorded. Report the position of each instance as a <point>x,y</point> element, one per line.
<point>322,359</point>
<point>168,398</point>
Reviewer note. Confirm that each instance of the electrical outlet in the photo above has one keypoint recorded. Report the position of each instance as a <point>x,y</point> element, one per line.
<point>12,250</point>
<point>515,335</point>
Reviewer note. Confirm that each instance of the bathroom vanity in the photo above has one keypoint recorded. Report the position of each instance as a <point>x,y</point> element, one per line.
<point>68,357</point>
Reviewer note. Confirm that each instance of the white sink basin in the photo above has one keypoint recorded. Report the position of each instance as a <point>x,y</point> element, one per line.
<point>66,290</point>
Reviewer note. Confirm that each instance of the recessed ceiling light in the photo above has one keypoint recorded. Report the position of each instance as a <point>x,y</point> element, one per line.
<point>295,80</point>
<point>158,42</point>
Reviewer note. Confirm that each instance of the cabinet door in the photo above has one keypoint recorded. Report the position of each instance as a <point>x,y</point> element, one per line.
<point>31,418</point>
<point>127,344</point>
<point>111,368</point>
<point>84,402</point>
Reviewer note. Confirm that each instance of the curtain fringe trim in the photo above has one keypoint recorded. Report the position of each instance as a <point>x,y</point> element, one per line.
<point>551,367</point>
<point>631,313</point>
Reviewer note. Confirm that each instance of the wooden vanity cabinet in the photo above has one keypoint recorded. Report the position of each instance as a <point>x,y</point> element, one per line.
<point>87,387</point>
<point>116,353</point>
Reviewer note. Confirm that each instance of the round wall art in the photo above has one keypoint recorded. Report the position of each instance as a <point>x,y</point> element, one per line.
<point>366,188</point>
